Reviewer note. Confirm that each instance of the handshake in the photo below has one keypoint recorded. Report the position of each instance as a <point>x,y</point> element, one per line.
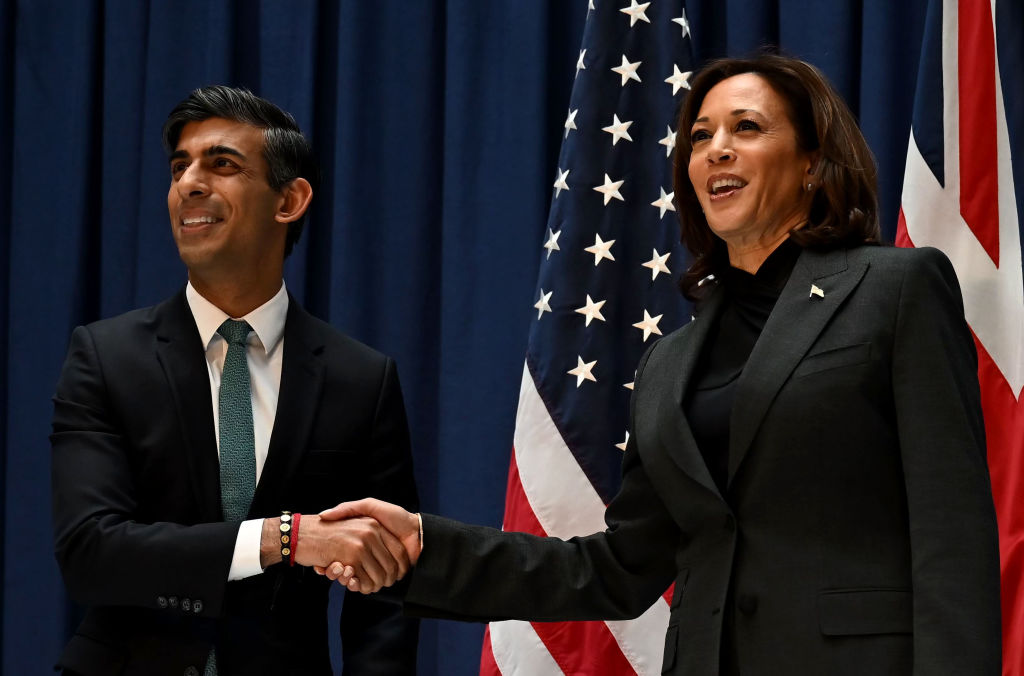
<point>364,545</point>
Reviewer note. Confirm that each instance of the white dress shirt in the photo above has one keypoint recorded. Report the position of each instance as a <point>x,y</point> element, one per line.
<point>264,351</point>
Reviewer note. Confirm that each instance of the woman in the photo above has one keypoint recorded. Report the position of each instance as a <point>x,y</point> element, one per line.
<point>807,458</point>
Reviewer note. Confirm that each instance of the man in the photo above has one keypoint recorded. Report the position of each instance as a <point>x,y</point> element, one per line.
<point>182,431</point>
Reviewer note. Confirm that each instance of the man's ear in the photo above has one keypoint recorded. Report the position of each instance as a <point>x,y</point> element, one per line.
<point>296,198</point>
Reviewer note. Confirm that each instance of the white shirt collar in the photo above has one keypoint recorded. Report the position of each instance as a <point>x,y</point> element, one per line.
<point>267,321</point>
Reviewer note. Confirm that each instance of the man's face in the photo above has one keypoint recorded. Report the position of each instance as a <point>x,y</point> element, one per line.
<point>221,206</point>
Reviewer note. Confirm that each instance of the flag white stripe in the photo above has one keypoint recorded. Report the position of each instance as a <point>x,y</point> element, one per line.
<point>518,651</point>
<point>549,472</point>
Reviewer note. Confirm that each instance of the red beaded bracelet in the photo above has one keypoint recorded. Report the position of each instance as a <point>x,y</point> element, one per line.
<point>296,517</point>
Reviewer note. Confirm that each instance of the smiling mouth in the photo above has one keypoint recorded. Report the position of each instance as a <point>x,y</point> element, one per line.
<point>725,187</point>
<point>198,220</point>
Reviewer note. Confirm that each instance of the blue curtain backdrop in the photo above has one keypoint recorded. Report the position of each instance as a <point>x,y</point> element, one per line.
<point>437,125</point>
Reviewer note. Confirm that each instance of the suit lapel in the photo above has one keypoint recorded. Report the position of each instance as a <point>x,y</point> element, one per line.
<point>672,424</point>
<point>302,373</point>
<point>796,321</point>
<point>180,352</point>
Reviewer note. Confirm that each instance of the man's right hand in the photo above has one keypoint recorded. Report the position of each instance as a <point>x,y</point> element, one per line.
<point>402,525</point>
<point>375,556</point>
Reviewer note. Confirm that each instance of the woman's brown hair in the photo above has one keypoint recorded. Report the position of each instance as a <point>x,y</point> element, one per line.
<point>844,209</point>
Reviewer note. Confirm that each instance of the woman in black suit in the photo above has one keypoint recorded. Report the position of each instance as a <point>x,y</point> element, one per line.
<point>807,457</point>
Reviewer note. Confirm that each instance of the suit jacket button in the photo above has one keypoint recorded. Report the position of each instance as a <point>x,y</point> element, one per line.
<point>197,606</point>
<point>191,671</point>
<point>747,604</point>
<point>186,605</point>
<point>161,602</point>
<point>172,601</point>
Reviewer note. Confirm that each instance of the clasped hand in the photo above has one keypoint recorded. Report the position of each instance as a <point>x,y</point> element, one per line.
<point>364,545</point>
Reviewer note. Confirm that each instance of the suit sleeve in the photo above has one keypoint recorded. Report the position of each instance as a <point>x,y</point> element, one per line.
<point>474,573</point>
<point>376,637</point>
<point>107,557</point>
<point>953,536</point>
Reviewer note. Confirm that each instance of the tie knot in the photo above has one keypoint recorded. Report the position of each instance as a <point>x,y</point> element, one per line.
<point>235,331</point>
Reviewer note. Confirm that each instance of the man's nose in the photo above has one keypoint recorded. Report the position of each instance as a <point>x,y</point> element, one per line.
<point>192,181</point>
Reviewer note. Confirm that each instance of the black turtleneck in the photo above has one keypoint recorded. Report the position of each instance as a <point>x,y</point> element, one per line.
<point>749,300</point>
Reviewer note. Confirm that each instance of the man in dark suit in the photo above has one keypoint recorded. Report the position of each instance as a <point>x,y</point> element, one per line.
<point>182,431</point>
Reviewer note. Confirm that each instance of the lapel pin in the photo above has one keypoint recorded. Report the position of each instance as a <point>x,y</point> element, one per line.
<point>816,291</point>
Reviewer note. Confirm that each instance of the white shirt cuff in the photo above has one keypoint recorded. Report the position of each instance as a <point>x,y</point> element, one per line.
<point>245,562</point>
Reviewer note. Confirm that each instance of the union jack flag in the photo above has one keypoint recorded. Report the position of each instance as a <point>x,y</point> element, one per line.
<point>606,291</point>
<point>963,192</point>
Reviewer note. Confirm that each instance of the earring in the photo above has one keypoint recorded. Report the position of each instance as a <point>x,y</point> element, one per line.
<point>810,187</point>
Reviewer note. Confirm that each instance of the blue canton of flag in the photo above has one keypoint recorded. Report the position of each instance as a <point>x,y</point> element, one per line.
<point>612,256</point>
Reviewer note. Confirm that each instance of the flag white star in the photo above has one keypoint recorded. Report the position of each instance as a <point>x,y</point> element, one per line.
<point>542,304</point>
<point>669,141</point>
<point>649,325</point>
<point>579,62</point>
<point>684,23</point>
<point>678,80</point>
<point>570,121</point>
<point>590,6</point>
<point>618,129</point>
<point>552,244</point>
<point>657,264</point>
<point>629,385</point>
<point>591,310</point>
<point>622,446</point>
<point>560,183</point>
<point>610,189</point>
<point>627,70</point>
<point>601,249</point>
<point>583,371</point>
<point>636,12</point>
<point>664,203</point>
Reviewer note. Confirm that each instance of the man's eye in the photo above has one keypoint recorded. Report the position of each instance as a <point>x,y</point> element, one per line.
<point>223,162</point>
<point>178,167</point>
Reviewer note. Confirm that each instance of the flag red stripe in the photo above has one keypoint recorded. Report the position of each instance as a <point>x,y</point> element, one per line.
<point>902,236</point>
<point>577,647</point>
<point>1004,430</point>
<point>979,204</point>
<point>584,648</point>
<point>488,667</point>
<point>519,515</point>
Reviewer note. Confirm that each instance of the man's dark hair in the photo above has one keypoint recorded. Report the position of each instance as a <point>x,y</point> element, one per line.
<point>286,150</point>
<point>844,210</point>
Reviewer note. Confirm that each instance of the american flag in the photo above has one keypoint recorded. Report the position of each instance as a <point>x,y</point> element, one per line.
<point>963,192</point>
<point>606,290</point>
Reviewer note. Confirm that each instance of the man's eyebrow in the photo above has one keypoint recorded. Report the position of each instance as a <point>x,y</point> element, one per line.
<point>212,151</point>
<point>222,150</point>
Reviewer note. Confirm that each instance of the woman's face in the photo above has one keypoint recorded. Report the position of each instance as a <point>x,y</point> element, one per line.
<point>746,168</point>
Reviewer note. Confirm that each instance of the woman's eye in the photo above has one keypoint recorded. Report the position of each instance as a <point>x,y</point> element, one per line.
<point>747,125</point>
<point>699,135</point>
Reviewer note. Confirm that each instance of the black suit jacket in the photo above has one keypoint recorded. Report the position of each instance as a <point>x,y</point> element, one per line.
<point>137,517</point>
<point>858,533</point>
